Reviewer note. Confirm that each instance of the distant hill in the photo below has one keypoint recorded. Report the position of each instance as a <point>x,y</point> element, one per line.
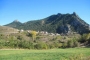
<point>15,24</point>
<point>58,23</point>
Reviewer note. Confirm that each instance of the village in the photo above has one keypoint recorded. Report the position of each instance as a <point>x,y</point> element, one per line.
<point>40,32</point>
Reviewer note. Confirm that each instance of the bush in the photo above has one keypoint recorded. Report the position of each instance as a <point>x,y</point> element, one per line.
<point>25,44</point>
<point>73,43</point>
<point>76,44</point>
<point>40,46</point>
<point>84,38</point>
<point>70,43</point>
<point>19,37</point>
<point>64,45</point>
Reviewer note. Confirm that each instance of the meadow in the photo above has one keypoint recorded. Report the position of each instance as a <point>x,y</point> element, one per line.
<point>50,54</point>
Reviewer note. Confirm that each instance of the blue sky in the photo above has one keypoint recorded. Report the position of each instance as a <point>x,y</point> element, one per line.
<point>26,10</point>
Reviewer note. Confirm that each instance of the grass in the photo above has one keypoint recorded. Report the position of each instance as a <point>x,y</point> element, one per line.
<point>51,54</point>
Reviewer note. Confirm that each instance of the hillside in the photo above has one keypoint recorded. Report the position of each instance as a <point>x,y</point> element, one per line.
<point>7,30</point>
<point>58,23</point>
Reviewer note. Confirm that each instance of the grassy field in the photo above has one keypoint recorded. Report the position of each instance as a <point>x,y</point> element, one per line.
<point>51,54</point>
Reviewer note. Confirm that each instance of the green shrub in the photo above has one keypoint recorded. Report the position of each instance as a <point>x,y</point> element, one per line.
<point>19,37</point>
<point>70,43</point>
<point>40,46</point>
<point>64,45</point>
<point>76,44</point>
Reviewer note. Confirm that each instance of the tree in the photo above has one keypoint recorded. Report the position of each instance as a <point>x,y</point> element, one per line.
<point>33,34</point>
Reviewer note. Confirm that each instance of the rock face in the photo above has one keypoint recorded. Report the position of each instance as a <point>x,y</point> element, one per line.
<point>59,23</point>
<point>64,29</point>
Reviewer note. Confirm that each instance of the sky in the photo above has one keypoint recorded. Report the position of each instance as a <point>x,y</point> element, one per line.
<point>27,10</point>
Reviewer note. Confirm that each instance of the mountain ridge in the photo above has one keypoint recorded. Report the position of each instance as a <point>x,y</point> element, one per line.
<point>57,23</point>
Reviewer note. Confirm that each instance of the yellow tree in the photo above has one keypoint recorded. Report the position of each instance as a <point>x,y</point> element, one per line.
<point>33,34</point>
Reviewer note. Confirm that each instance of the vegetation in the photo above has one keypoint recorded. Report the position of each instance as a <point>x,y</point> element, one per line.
<point>32,40</point>
<point>51,54</point>
<point>33,34</point>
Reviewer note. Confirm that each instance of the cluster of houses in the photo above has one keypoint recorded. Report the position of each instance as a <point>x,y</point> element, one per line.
<point>40,32</point>
<point>46,33</point>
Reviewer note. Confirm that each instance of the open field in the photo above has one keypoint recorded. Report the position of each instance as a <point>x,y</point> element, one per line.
<point>51,54</point>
